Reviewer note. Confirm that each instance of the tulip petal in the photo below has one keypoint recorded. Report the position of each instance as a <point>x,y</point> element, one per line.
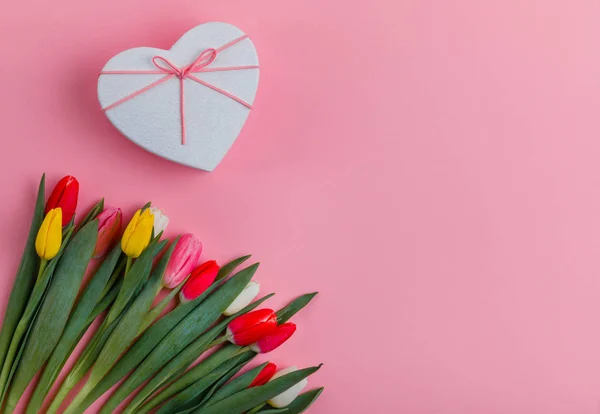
<point>303,402</point>
<point>161,221</point>
<point>251,327</point>
<point>129,230</point>
<point>185,258</point>
<point>49,237</point>
<point>264,375</point>
<point>285,398</point>
<point>275,339</point>
<point>64,195</point>
<point>249,398</point>
<point>200,280</point>
<point>109,226</point>
<point>279,374</point>
<point>243,299</point>
<point>138,233</point>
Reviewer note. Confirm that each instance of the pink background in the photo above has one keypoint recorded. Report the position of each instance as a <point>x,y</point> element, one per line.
<point>431,167</point>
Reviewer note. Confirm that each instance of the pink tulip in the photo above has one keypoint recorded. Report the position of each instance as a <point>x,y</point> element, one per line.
<point>184,259</point>
<point>109,227</point>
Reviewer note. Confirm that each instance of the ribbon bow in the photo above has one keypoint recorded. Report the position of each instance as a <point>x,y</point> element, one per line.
<point>170,70</point>
<point>206,58</point>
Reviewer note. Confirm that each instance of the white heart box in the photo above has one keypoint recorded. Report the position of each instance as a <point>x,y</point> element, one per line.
<point>187,104</point>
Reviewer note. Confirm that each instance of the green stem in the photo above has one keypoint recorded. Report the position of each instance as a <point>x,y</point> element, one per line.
<point>73,378</point>
<point>128,265</point>
<point>81,367</point>
<point>143,404</point>
<point>59,398</point>
<point>43,265</point>
<point>154,313</point>
<point>256,409</point>
<point>113,278</point>
<point>10,356</point>
<point>25,278</point>
<point>218,341</point>
<point>21,329</point>
<point>72,408</point>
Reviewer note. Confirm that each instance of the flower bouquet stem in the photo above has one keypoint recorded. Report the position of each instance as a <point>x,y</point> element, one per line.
<point>25,279</point>
<point>20,335</point>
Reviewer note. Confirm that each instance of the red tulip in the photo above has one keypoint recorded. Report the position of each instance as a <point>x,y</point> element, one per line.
<point>273,340</point>
<point>183,260</point>
<point>64,196</point>
<point>202,277</point>
<point>109,227</point>
<point>264,375</point>
<point>251,327</point>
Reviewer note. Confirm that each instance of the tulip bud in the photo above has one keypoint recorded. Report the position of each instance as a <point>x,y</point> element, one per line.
<point>251,327</point>
<point>138,233</point>
<point>64,195</point>
<point>202,277</point>
<point>274,339</point>
<point>109,226</point>
<point>183,260</point>
<point>245,297</point>
<point>264,375</point>
<point>161,221</point>
<point>285,398</point>
<point>49,237</point>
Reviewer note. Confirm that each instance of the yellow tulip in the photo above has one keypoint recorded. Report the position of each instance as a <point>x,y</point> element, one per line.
<point>138,233</point>
<point>49,237</point>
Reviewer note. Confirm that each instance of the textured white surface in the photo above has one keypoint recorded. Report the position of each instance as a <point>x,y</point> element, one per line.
<point>213,121</point>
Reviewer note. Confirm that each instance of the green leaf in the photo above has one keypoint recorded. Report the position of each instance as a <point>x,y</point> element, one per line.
<point>273,411</point>
<point>133,282</point>
<point>93,213</point>
<point>135,278</point>
<point>256,409</point>
<point>185,358</point>
<point>23,330</point>
<point>117,275</point>
<point>251,397</point>
<point>84,363</point>
<point>303,401</point>
<point>203,369</point>
<point>230,267</point>
<point>140,350</point>
<point>105,301</point>
<point>225,379</point>
<point>294,307</point>
<point>55,309</point>
<point>25,278</point>
<point>19,355</point>
<point>193,394</point>
<point>78,323</point>
<point>128,326</point>
<point>238,384</point>
<point>181,335</point>
<point>155,312</point>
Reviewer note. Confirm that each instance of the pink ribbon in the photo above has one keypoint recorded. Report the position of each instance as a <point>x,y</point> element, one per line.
<point>170,70</point>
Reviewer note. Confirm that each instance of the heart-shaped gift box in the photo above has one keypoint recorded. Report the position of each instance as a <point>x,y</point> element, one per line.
<point>187,104</point>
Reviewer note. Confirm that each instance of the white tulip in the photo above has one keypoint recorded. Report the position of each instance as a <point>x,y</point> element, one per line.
<point>245,297</point>
<point>161,221</point>
<point>285,398</point>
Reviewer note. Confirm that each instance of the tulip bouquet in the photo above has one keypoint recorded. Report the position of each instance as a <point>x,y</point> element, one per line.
<point>158,357</point>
